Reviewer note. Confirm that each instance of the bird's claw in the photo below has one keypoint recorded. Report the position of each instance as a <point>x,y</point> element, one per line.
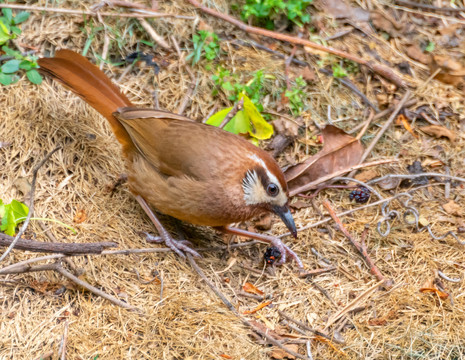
<point>180,247</point>
<point>286,251</point>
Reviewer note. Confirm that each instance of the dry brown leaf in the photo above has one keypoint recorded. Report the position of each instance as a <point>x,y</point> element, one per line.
<point>442,295</point>
<point>388,25</point>
<point>452,72</point>
<point>341,9</point>
<point>402,119</point>
<point>340,151</point>
<point>281,354</point>
<point>366,175</point>
<point>308,74</point>
<point>286,127</point>
<point>258,307</point>
<point>252,289</point>
<point>439,131</point>
<point>299,204</point>
<point>453,208</point>
<point>80,216</point>
<point>204,26</point>
<point>413,51</point>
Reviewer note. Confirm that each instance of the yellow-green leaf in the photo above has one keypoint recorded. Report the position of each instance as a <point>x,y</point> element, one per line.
<point>260,129</point>
<point>239,124</point>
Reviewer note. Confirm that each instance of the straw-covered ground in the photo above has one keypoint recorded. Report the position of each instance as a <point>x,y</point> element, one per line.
<point>180,317</point>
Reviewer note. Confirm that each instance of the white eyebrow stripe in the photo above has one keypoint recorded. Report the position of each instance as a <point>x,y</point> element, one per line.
<point>259,161</point>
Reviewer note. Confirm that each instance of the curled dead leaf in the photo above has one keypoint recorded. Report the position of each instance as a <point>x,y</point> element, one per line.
<point>286,127</point>
<point>280,354</point>
<point>340,151</point>
<point>413,51</point>
<point>258,307</point>
<point>80,216</point>
<point>442,295</point>
<point>439,131</point>
<point>450,71</point>
<point>453,208</point>
<point>252,289</point>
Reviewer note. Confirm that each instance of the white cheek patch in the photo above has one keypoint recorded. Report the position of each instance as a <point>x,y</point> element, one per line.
<point>253,189</point>
<point>254,193</point>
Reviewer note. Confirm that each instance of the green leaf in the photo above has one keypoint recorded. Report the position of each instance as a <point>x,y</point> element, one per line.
<point>8,14</point>
<point>10,66</point>
<point>10,52</point>
<point>6,79</point>
<point>34,76</point>
<point>21,17</point>
<point>4,33</point>
<point>26,65</point>
<point>15,30</point>
<point>260,129</point>
<point>430,47</point>
<point>14,213</point>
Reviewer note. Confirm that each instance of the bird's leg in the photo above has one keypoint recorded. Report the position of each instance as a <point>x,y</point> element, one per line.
<point>272,240</point>
<point>177,246</point>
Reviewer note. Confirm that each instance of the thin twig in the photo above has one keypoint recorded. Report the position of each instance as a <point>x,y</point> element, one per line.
<point>313,184</point>
<point>386,125</point>
<point>57,247</point>
<point>237,107</point>
<point>445,277</point>
<point>64,341</point>
<point>351,86</point>
<point>23,266</point>
<point>92,13</point>
<point>378,68</point>
<point>31,203</point>
<point>231,307</point>
<point>418,5</point>
<point>352,304</point>
<point>380,115</point>
<point>308,328</point>
<point>93,289</point>
<point>361,249</point>
<point>153,34</point>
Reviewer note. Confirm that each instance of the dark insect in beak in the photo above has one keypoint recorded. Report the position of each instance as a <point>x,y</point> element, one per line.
<point>285,214</point>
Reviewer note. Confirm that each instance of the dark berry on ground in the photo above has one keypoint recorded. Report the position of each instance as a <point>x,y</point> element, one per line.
<point>360,195</point>
<point>271,255</point>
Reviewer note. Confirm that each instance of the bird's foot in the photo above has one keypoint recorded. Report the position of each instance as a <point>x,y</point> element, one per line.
<point>180,247</point>
<point>285,252</point>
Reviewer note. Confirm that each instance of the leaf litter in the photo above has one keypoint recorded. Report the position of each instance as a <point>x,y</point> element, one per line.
<point>190,322</point>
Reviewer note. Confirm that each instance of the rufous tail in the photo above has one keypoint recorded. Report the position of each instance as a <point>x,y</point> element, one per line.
<point>91,84</point>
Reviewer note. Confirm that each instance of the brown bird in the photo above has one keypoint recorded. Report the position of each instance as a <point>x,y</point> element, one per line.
<point>191,171</point>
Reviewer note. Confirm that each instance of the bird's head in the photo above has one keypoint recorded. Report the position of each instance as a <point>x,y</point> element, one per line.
<point>264,186</point>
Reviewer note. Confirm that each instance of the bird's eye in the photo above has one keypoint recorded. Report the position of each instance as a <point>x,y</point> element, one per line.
<point>272,189</point>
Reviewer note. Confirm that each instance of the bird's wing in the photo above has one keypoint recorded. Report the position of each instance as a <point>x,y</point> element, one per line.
<point>178,146</point>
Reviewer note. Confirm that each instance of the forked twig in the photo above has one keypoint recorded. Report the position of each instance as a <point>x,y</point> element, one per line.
<point>362,249</point>
<point>231,307</point>
<point>31,203</point>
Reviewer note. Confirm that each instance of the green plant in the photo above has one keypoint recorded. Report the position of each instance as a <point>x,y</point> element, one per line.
<point>248,120</point>
<point>266,11</point>
<point>11,215</point>
<point>205,43</point>
<point>296,95</point>
<point>15,60</point>
<point>430,47</point>
<point>339,71</point>
<point>254,88</point>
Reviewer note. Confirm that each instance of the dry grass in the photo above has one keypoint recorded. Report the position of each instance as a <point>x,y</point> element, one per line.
<point>191,322</point>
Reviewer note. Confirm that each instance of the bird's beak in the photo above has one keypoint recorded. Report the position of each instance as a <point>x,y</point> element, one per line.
<point>285,214</point>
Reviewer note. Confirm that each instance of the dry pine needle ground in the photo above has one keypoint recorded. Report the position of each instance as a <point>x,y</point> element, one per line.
<point>191,322</point>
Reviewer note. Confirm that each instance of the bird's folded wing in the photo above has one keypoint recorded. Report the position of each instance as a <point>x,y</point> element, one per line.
<point>176,145</point>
